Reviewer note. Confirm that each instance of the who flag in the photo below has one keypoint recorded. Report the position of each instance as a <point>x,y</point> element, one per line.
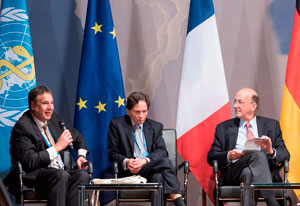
<point>203,97</point>
<point>100,92</point>
<point>290,107</point>
<point>17,72</point>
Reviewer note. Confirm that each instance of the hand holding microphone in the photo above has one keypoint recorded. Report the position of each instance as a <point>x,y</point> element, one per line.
<point>68,136</point>
<point>81,162</point>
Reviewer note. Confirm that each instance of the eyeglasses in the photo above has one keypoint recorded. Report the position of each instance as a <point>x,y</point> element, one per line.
<point>239,102</point>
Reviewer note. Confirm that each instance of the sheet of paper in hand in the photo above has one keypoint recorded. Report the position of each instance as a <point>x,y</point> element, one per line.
<point>250,145</point>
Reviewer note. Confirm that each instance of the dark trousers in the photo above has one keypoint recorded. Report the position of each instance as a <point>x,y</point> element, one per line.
<point>250,168</point>
<point>162,171</point>
<point>60,185</point>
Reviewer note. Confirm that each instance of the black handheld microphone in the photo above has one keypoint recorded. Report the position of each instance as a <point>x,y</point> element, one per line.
<point>63,126</point>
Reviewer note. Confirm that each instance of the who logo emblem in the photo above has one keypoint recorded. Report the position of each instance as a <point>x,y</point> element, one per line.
<point>17,71</point>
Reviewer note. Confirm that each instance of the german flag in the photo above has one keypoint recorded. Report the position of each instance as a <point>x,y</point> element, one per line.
<point>290,108</point>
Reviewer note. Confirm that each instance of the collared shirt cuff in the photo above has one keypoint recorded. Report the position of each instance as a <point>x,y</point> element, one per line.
<point>148,160</point>
<point>228,160</point>
<point>124,164</point>
<point>82,152</point>
<point>52,153</point>
<point>274,155</point>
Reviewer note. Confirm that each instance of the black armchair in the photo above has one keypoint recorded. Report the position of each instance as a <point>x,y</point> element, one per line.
<point>27,195</point>
<point>232,193</point>
<point>169,136</point>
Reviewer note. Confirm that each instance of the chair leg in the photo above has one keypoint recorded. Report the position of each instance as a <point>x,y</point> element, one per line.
<point>281,202</point>
<point>203,198</point>
<point>289,201</point>
<point>117,198</point>
<point>22,200</point>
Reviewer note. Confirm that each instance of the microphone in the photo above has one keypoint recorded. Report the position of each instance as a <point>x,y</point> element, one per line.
<point>63,126</point>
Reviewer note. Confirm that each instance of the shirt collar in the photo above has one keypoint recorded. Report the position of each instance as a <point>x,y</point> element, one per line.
<point>252,122</point>
<point>39,123</point>
<point>133,123</point>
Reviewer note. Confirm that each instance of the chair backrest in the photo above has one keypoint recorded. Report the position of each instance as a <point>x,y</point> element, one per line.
<point>68,160</point>
<point>169,136</point>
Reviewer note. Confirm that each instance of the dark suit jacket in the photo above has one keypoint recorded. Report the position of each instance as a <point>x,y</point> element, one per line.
<point>29,147</point>
<point>226,137</point>
<point>121,140</point>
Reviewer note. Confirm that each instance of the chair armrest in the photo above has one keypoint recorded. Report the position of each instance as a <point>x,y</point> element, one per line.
<point>216,170</point>
<point>90,168</point>
<point>217,192</point>
<point>115,169</point>
<point>16,167</point>
<point>285,170</point>
<point>215,166</point>
<point>286,166</point>
<point>186,166</point>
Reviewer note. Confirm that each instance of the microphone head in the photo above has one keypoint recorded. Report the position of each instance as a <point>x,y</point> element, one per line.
<point>62,125</point>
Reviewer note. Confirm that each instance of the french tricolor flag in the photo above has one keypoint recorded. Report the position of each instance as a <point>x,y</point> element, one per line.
<point>203,97</point>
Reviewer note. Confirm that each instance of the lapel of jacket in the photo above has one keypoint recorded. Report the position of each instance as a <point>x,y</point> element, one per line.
<point>129,133</point>
<point>148,132</point>
<point>233,133</point>
<point>260,126</point>
<point>36,129</point>
<point>54,129</point>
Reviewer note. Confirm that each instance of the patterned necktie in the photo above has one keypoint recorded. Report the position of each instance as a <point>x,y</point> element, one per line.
<point>139,148</point>
<point>250,134</point>
<point>48,135</point>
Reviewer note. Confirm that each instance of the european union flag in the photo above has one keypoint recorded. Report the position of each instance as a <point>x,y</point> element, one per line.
<point>100,92</point>
<point>17,72</point>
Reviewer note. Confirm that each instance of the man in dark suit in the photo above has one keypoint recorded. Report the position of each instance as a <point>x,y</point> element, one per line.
<point>136,143</point>
<point>37,141</point>
<point>230,137</point>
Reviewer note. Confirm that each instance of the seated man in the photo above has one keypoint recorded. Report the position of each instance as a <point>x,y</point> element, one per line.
<point>37,141</point>
<point>136,143</point>
<point>228,145</point>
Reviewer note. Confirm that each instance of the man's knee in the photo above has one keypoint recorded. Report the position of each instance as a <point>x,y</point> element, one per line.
<point>63,176</point>
<point>260,157</point>
<point>84,176</point>
<point>157,177</point>
<point>166,161</point>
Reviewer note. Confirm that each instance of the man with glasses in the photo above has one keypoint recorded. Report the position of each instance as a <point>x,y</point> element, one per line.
<point>230,137</point>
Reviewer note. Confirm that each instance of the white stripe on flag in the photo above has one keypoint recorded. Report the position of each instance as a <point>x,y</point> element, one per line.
<point>203,88</point>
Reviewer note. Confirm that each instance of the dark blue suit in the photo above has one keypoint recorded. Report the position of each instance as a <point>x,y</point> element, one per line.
<point>121,146</point>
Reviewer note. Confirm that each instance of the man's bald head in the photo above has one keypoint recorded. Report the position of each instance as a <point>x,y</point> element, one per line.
<point>245,103</point>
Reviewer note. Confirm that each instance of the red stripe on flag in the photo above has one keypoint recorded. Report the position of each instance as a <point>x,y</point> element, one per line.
<point>292,70</point>
<point>194,145</point>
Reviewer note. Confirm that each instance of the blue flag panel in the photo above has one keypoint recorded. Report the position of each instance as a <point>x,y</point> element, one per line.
<point>200,10</point>
<point>100,92</point>
<point>17,71</point>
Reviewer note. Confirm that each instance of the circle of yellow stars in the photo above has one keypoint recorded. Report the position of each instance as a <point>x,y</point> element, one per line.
<point>101,106</point>
<point>97,28</point>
